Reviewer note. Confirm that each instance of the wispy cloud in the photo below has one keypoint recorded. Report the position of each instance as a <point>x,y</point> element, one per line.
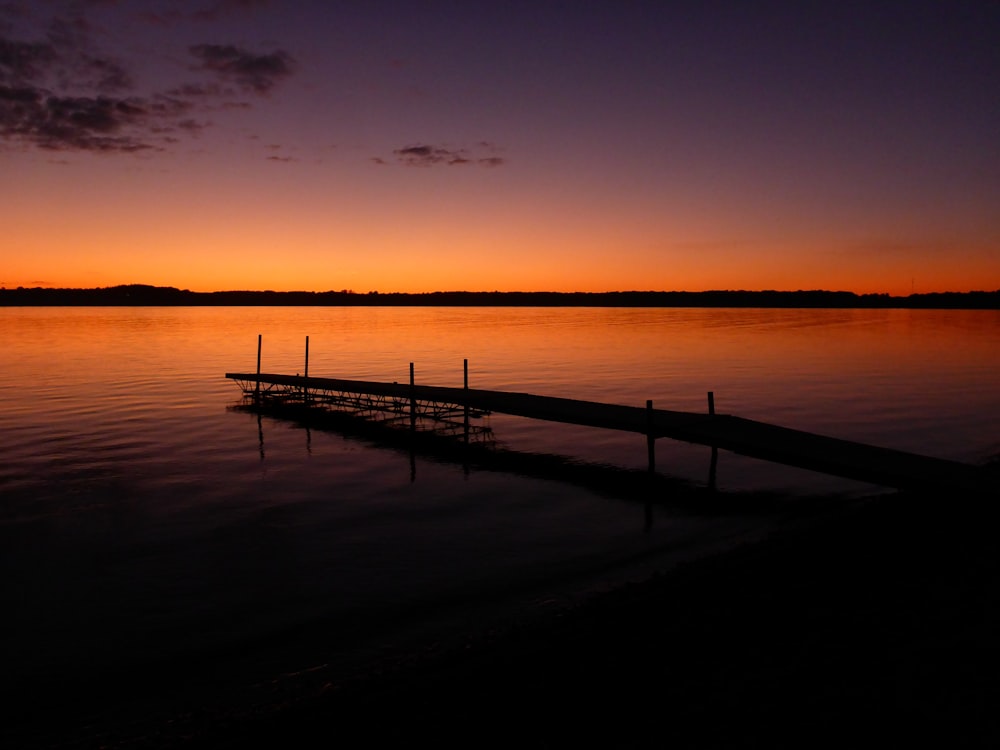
<point>213,12</point>
<point>275,148</point>
<point>224,8</point>
<point>88,123</point>
<point>424,155</point>
<point>22,61</point>
<point>256,73</point>
<point>61,92</point>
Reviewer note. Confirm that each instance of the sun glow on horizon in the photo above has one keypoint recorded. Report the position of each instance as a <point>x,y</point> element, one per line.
<point>243,150</point>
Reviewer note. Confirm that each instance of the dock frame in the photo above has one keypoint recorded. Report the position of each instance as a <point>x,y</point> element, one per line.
<point>449,410</point>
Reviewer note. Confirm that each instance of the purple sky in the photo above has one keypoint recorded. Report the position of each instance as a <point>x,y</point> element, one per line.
<point>542,145</point>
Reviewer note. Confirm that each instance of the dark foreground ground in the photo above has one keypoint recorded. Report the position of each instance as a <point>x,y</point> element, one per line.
<point>877,625</point>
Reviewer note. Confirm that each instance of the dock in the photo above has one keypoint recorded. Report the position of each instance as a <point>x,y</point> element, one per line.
<point>457,411</point>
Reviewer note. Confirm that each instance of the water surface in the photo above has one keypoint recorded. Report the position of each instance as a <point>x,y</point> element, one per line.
<point>143,517</point>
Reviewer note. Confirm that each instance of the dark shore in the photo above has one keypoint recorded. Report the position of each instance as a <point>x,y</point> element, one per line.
<point>139,295</point>
<point>876,623</point>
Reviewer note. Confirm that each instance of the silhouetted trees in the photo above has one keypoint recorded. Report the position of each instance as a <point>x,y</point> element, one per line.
<point>146,295</point>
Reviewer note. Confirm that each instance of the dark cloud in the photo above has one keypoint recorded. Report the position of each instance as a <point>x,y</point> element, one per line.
<point>165,18</point>
<point>209,95</point>
<point>167,107</point>
<point>106,75</point>
<point>61,123</point>
<point>24,61</point>
<point>227,7</point>
<point>191,126</point>
<point>196,90</point>
<point>64,59</point>
<point>188,126</point>
<point>256,73</point>
<point>422,155</point>
<point>276,147</point>
<point>59,92</point>
<point>12,10</point>
<point>215,12</point>
<point>103,124</point>
<point>425,156</point>
<point>69,33</point>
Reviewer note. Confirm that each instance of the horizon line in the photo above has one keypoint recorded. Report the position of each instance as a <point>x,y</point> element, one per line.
<point>375,292</point>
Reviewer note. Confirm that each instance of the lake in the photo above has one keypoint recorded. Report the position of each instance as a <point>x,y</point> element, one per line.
<point>143,518</point>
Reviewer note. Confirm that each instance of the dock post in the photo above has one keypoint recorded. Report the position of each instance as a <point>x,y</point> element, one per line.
<point>650,438</point>
<point>465,396</point>
<point>305,391</point>
<point>413,402</point>
<point>256,393</point>
<point>711,402</point>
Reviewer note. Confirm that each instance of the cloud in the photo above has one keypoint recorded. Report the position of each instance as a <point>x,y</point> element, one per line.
<point>57,93</point>
<point>256,73</point>
<point>226,7</point>
<point>165,19</point>
<point>216,12</point>
<point>196,90</point>
<point>59,123</point>
<point>105,74</point>
<point>60,92</point>
<point>425,156</point>
<point>64,60</point>
<point>24,61</point>
<point>274,148</point>
<point>422,155</point>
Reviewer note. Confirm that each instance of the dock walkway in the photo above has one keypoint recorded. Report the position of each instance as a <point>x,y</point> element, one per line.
<point>843,458</point>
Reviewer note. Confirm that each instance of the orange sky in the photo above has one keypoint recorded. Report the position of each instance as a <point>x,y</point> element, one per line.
<point>601,150</point>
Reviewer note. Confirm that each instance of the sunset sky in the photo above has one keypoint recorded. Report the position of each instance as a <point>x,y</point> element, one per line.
<point>421,146</point>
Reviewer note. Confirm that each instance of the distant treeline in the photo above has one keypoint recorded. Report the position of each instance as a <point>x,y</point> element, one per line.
<point>145,295</point>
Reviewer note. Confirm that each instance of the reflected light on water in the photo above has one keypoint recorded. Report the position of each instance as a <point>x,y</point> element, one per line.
<point>141,513</point>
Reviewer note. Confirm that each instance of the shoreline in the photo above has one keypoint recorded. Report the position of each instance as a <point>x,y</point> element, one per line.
<point>145,295</point>
<point>881,614</point>
<point>876,621</point>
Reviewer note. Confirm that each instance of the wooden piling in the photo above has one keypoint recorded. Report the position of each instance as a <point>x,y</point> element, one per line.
<point>256,394</point>
<point>413,401</point>
<point>465,394</point>
<point>305,389</point>
<point>867,463</point>
<point>711,402</point>
<point>650,436</point>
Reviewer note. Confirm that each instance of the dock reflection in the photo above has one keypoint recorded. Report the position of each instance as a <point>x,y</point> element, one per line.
<point>647,487</point>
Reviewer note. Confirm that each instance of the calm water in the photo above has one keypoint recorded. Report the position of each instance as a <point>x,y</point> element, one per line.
<point>142,517</point>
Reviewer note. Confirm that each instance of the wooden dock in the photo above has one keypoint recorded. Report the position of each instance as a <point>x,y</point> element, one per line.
<point>410,404</point>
